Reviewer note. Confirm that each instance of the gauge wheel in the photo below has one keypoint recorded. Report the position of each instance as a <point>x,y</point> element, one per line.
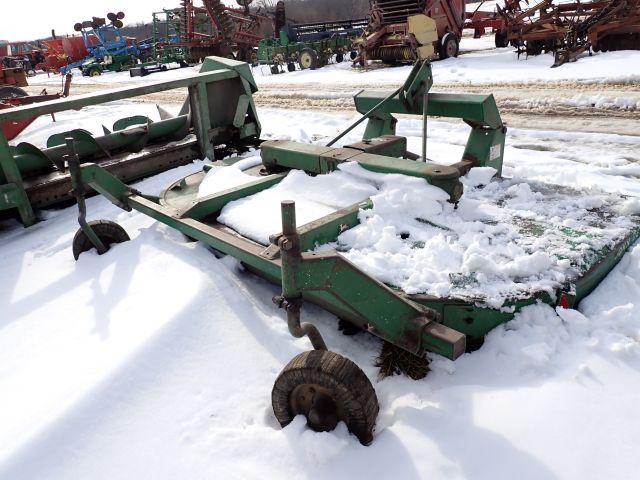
<point>449,46</point>
<point>339,57</point>
<point>107,231</point>
<point>291,67</point>
<point>308,59</point>
<point>326,388</point>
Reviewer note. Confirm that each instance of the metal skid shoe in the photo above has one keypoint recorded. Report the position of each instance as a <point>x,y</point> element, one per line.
<point>322,385</point>
<point>98,234</point>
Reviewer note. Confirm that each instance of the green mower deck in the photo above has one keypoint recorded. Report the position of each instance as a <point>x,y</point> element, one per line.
<point>415,323</point>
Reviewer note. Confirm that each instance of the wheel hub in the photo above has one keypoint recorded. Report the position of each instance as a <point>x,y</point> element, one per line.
<point>305,59</point>
<point>451,49</point>
<point>317,404</point>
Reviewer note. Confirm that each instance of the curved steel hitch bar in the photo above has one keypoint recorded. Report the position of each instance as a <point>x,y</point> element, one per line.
<point>291,298</point>
<point>79,191</point>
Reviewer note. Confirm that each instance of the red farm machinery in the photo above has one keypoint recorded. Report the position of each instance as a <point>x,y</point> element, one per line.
<point>410,30</point>
<point>235,33</point>
<point>480,20</point>
<point>62,51</point>
<point>569,29</point>
<point>24,54</point>
<point>13,95</point>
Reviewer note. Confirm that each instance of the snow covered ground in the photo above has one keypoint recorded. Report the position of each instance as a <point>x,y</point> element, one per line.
<point>477,65</point>
<point>479,62</point>
<point>156,360</point>
<point>595,94</point>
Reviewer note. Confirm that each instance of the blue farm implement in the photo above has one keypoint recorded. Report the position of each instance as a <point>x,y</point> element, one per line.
<point>108,48</point>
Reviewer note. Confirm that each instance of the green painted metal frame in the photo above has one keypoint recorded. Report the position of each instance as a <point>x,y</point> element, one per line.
<point>327,278</point>
<point>318,159</point>
<point>417,323</point>
<point>485,145</point>
<point>214,71</point>
<point>274,51</point>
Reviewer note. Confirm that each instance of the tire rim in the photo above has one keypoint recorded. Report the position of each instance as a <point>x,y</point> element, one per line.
<point>305,60</point>
<point>451,48</point>
<point>317,404</point>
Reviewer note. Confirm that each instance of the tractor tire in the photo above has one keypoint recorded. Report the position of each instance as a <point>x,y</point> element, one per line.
<point>339,57</point>
<point>308,59</point>
<point>291,67</point>
<point>353,55</point>
<point>107,231</point>
<point>12,92</point>
<point>274,70</point>
<point>501,39</point>
<point>449,46</point>
<point>326,388</point>
<point>94,72</point>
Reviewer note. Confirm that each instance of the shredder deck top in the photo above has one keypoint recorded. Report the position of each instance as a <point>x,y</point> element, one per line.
<point>505,240</point>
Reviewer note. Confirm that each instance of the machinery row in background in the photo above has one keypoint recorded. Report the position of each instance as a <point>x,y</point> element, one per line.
<point>408,30</point>
<point>181,35</point>
<point>395,31</point>
<point>569,29</point>
<point>404,31</point>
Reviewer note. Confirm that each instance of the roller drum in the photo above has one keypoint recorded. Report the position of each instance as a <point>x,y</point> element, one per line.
<point>392,54</point>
